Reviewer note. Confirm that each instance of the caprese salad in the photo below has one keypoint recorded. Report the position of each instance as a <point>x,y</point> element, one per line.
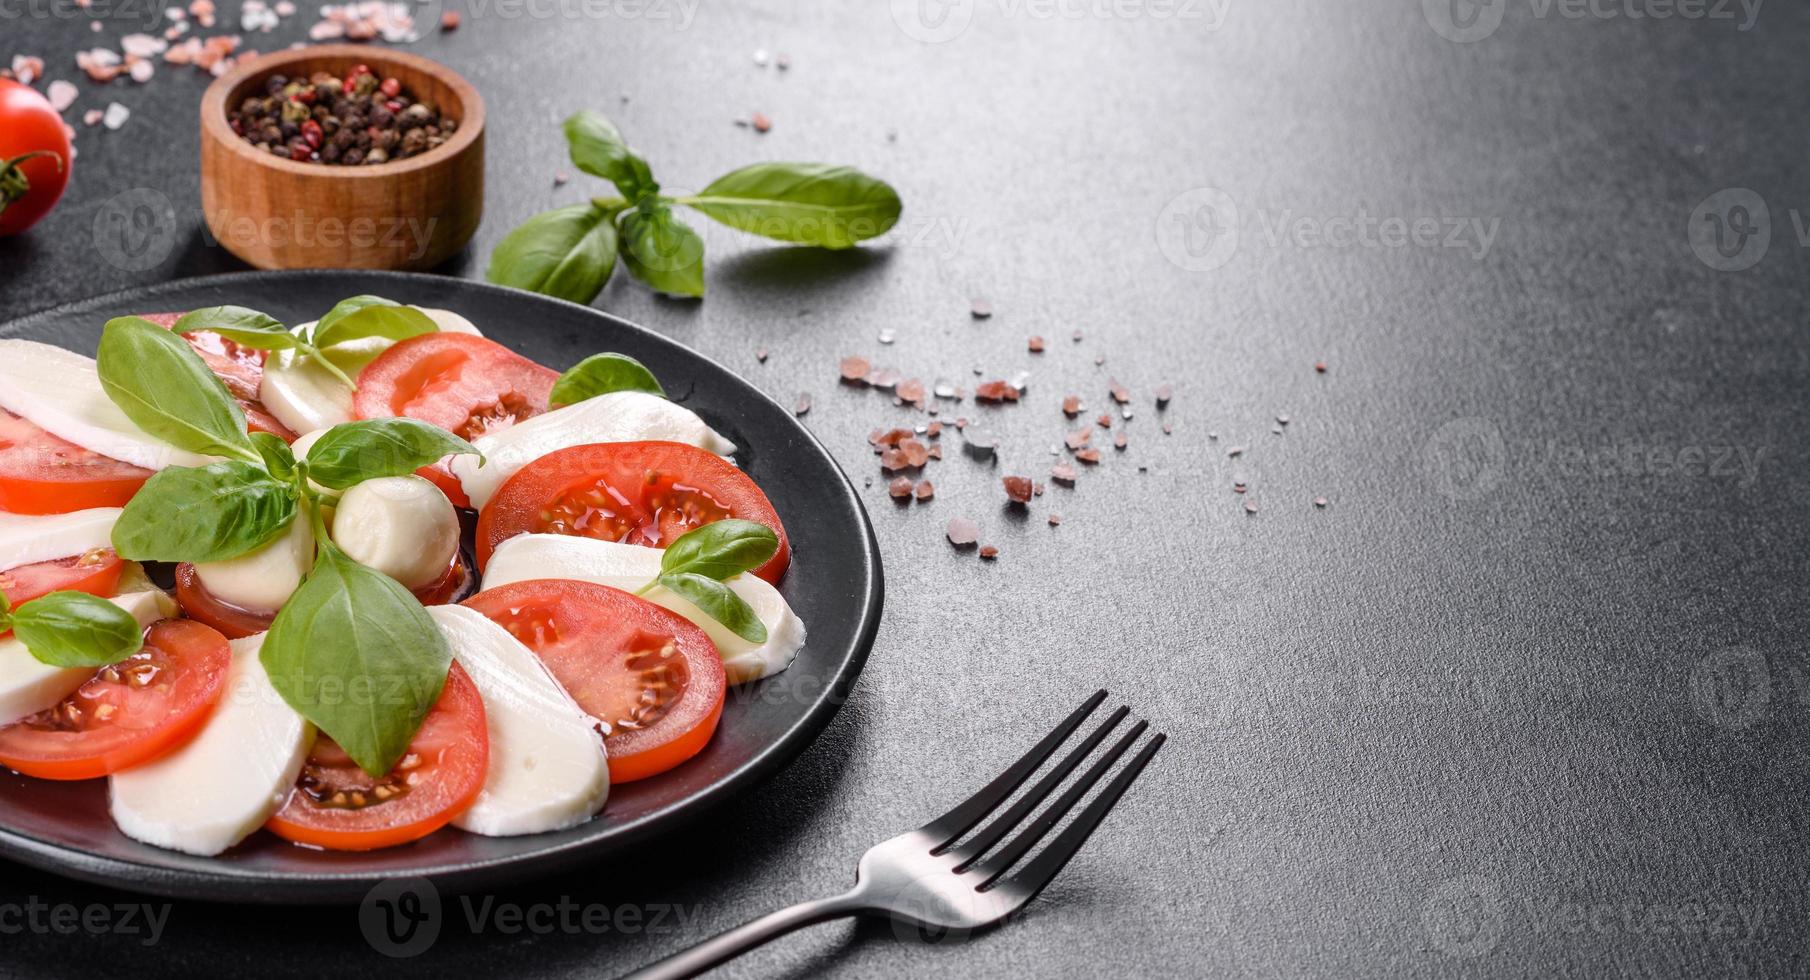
<point>328,664</point>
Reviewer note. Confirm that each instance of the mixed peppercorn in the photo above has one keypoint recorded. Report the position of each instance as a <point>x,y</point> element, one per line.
<point>350,121</point>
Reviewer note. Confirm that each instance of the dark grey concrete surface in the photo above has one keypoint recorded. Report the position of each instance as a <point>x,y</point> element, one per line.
<point>1528,698</point>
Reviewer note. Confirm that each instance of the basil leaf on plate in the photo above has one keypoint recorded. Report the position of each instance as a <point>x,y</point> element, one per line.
<point>353,452</point>
<point>598,149</point>
<point>663,251</point>
<point>370,316</point>
<point>805,203</point>
<point>568,253</point>
<point>355,653</point>
<point>720,549</point>
<point>75,629</point>
<point>208,513</point>
<point>245,327</point>
<point>165,388</point>
<point>279,459</point>
<point>601,374</point>
<point>719,602</point>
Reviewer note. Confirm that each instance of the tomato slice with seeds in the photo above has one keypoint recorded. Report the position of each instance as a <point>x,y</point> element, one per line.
<point>240,368</point>
<point>647,673</point>
<point>42,474</point>
<point>96,573</point>
<point>237,622</point>
<point>464,384</point>
<point>340,807</point>
<point>128,714</point>
<point>646,493</point>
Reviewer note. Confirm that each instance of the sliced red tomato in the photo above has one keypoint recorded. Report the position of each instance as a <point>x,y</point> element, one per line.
<point>127,714</point>
<point>438,475</point>
<point>241,369</point>
<point>238,622</point>
<point>650,675</point>
<point>464,384</point>
<point>646,493</point>
<point>96,573</point>
<point>338,806</point>
<point>41,474</point>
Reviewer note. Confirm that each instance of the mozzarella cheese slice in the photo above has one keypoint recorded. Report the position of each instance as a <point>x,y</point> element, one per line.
<point>548,770</point>
<point>226,782</point>
<point>27,540</point>
<point>28,685</point>
<point>629,567</point>
<point>60,392</point>
<point>305,396</point>
<point>620,416</point>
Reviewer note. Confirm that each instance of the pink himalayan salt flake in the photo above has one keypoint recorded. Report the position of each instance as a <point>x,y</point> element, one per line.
<point>963,532</point>
<point>61,94</point>
<point>115,116</point>
<point>900,487</point>
<point>995,391</point>
<point>1055,519</point>
<point>141,71</point>
<point>1063,473</point>
<point>27,68</point>
<point>1120,393</point>
<point>1036,344</point>
<point>1078,438</point>
<point>1088,456</point>
<point>989,552</point>
<point>1071,406</point>
<point>855,368</point>
<point>92,117</point>
<point>1018,489</point>
<point>925,490</point>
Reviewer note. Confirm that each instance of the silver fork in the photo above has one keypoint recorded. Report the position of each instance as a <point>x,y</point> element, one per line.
<point>930,878</point>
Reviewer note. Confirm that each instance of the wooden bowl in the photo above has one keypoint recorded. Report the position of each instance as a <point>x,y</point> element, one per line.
<point>277,213</point>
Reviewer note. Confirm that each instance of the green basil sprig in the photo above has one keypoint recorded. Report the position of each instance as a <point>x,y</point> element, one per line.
<point>352,319</point>
<point>165,388</point>
<point>601,374</point>
<point>695,566</point>
<point>354,652</point>
<point>206,513</point>
<point>571,252</point>
<point>353,452</point>
<point>73,629</point>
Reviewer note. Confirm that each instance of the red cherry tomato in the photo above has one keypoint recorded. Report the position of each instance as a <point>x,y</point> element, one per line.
<point>646,493</point>
<point>128,714</point>
<point>650,675</point>
<point>34,157</point>
<point>96,573</point>
<point>338,806</point>
<point>41,474</point>
<point>466,385</point>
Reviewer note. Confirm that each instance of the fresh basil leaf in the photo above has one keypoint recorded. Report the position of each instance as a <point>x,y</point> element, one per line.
<point>75,629</point>
<point>663,251</point>
<point>371,316</point>
<point>279,459</point>
<point>201,514</point>
<point>719,602</point>
<point>353,652</point>
<point>245,327</point>
<point>599,150</point>
<point>601,374</point>
<point>720,549</point>
<point>568,253</point>
<point>806,203</point>
<point>353,452</point>
<point>165,388</point>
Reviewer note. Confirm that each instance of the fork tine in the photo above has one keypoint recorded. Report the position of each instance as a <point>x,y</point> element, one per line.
<point>990,835</point>
<point>998,864</point>
<point>946,828</point>
<point>1045,866</point>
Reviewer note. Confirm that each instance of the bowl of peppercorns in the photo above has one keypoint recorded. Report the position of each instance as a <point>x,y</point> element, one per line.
<point>342,157</point>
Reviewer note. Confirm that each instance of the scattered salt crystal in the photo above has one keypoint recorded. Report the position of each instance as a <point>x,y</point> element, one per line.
<point>761,57</point>
<point>963,532</point>
<point>94,26</point>
<point>285,9</point>
<point>142,45</point>
<point>61,94</point>
<point>887,336</point>
<point>326,30</point>
<point>92,117</point>
<point>803,404</point>
<point>115,116</point>
<point>27,68</point>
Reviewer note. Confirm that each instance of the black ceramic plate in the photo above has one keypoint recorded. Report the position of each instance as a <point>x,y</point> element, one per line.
<point>834,584</point>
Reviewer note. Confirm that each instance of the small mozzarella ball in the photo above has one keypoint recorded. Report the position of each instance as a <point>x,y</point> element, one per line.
<point>450,322</point>
<point>300,448</point>
<point>402,526</point>
<point>265,579</point>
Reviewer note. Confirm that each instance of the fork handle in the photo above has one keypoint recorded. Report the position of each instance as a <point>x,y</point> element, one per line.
<point>745,937</point>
